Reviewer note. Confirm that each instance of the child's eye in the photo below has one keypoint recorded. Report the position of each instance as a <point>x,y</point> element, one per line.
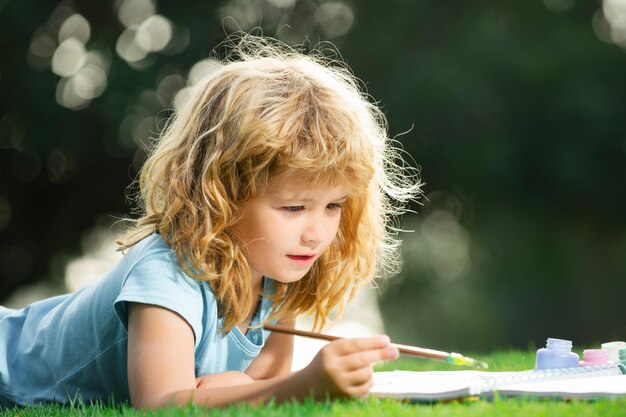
<point>293,209</point>
<point>334,206</point>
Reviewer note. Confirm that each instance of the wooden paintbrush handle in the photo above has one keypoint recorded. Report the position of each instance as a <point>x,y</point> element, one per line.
<point>407,350</point>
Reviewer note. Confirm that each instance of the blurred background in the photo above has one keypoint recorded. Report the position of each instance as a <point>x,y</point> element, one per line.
<point>515,113</point>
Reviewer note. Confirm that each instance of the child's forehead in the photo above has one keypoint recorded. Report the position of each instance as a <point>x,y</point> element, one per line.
<point>295,187</point>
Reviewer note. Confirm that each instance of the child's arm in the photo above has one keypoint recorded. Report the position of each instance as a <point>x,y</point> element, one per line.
<point>161,367</point>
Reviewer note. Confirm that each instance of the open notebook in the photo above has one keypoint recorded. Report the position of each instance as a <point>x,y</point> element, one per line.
<point>594,382</point>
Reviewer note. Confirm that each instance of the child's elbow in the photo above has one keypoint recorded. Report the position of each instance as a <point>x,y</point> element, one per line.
<point>223,379</point>
<point>152,401</point>
<point>157,401</point>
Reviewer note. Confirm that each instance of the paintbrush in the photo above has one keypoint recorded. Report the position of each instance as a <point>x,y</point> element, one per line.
<point>449,357</point>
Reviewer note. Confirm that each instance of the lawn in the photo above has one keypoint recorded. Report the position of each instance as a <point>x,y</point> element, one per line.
<point>372,407</point>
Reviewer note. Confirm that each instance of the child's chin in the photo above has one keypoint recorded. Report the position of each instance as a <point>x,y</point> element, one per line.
<point>290,279</point>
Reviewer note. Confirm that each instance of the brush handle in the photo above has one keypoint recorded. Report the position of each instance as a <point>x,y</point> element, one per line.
<point>408,350</point>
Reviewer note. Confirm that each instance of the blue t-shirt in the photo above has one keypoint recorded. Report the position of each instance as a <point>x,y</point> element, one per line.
<point>75,345</point>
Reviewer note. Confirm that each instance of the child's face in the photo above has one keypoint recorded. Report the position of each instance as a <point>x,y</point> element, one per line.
<point>284,231</point>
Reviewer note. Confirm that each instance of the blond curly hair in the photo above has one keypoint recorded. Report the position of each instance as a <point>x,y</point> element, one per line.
<point>267,111</point>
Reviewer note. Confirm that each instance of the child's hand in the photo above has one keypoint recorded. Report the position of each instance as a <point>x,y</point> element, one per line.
<point>343,368</point>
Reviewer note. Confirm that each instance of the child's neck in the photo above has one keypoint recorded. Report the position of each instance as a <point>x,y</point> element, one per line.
<point>257,285</point>
<point>256,304</point>
<point>257,291</point>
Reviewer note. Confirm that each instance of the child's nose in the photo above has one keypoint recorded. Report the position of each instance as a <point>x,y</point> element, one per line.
<point>315,231</point>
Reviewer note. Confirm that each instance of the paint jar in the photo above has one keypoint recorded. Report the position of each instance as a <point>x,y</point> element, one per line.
<point>594,357</point>
<point>622,361</point>
<point>557,354</point>
<point>613,348</point>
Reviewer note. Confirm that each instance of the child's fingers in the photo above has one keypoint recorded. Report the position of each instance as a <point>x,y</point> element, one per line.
<point>355,383</point>
<point>349,346</point>
<point>359,376</point>
<point>360,389</point>
<point>365,359</point>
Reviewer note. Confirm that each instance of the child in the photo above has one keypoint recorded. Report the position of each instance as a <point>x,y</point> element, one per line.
<point>268,196</point>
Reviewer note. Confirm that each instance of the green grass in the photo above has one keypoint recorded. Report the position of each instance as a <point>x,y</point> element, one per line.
<point>373,407</point>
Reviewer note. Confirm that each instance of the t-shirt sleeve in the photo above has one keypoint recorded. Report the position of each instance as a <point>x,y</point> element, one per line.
<point>158,280</point>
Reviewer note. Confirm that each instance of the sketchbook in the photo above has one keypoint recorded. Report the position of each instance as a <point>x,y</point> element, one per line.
<point>603,381</point>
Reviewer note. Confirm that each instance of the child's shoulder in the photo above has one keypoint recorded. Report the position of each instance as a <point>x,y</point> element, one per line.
<point>151,274</point>
<point>153,257</point>
<point>151,246</point>
<point>151,253</point>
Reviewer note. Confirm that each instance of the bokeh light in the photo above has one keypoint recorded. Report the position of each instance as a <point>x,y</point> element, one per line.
<point>61,44</point>
<point>609,23</point>
<point>198,71</point>
<point>99,255</point>
<point>146,32</point>
<point>69,58</point>
<point>241,14</point>
<point>154,34</point>
<point>331,19</point>
<point>439,245</point>
<point>128,49</point>
<point>282,4</point>
<point>132,13</point>
<point>168,87</point>
<point>447,245</point>
<point>77,27</point>
<point>62,166</point>
<point>11,131</point>
<point>335,18</point>
<point>42,46</point>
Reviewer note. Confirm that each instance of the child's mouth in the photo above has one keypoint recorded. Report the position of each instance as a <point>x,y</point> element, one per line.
<point>301,258</point>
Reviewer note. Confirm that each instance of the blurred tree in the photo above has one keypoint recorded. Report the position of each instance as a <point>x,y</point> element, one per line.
<point>517,111</point>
